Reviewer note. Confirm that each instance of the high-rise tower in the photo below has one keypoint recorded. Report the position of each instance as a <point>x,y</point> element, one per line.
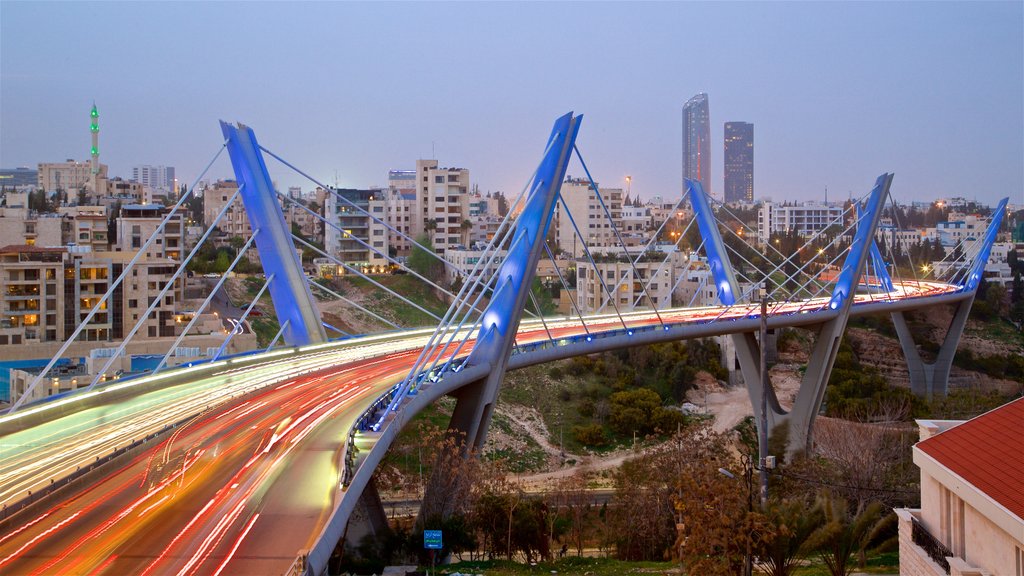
<point>94,128</point>
<point>739,162</point>
<point>697,141</point>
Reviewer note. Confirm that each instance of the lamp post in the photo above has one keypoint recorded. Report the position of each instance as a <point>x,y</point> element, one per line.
<point>762,443</point>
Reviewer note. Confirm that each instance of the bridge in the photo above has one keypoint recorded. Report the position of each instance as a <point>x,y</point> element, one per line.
<point>258,463</point>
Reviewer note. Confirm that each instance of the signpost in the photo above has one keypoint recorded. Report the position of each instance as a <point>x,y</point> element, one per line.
<point>432,540</point>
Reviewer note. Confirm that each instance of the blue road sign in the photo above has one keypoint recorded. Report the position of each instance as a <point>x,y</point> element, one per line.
<point>432,539</point>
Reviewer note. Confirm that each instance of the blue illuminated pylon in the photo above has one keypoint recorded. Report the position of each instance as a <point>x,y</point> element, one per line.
<point>863,239</point>
<point>500,320</point>
<point>296,310</point>
<point>718,260</point>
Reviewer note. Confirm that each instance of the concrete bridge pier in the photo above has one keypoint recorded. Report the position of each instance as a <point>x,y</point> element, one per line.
<point>930,378</point>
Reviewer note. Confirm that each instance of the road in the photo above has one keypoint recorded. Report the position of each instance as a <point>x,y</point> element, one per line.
<point>250,478</point>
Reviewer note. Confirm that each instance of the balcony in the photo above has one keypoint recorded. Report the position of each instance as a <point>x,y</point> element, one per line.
<point>922,554</point>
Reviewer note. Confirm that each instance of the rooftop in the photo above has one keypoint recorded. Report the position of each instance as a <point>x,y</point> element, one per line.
<point>986,452</point>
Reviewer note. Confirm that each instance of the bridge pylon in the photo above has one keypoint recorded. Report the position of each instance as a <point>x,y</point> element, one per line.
<point>800,419</point>
<point>930,378</point>
<point>293,302</point>
<point>500,320</point>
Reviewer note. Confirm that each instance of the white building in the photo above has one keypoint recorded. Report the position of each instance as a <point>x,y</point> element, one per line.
<point>628,282</point>
<point>805,220</point>
<point>588,215</point>
<point>69,176</point>
<point>159,179</point>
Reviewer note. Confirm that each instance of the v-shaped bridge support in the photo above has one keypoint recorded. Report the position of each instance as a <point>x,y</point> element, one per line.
<point>930,378</point>
<point>800,419</point>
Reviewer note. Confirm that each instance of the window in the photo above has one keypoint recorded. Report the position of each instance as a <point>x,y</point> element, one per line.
<point>438,179</point>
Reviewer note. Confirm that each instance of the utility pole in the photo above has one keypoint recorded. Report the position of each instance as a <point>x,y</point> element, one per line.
<point>762,441</point>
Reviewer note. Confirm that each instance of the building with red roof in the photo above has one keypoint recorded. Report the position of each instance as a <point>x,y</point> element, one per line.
<point>971,520</point>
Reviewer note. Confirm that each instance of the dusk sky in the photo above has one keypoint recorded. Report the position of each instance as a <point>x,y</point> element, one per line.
<point>837,92</point>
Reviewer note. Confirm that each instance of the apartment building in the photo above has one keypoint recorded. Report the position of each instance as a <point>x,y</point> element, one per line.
<point>441,206</point>
<point>588,215</point>
<point>45,293</point>
<point>399,212</point>
<point>353,237</point>
<point>803,219</point>
<point>627,281</point>
<point>235,222</point>
<point>139,222</point>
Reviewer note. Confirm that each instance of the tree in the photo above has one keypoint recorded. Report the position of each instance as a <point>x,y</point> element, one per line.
<point>845,534</point>
<point>794,522</point>
<point>423,260</point>
<point>640,411</point>
<point>996,299</point>
<point>718,526</point>
<point>1017,299</point>
<point>572,501</point>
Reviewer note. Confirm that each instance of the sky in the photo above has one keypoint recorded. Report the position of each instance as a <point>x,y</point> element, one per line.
<point>838,92</point>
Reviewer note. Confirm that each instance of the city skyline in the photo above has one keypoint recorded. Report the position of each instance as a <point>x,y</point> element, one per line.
<point>840,92</point>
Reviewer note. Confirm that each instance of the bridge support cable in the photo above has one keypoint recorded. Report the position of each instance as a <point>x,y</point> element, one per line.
<point>814,237</point>
<point>473,280</point>
<point>278,335</point>
<point>241,320</point>
<point>356,271</point>
<point>975,258</point>
<point>84,323</point>
<point>380,253</point>
<point>906,249</point>
<point>337,296</point>
<point>700,285</point>
<point>959,256</point>
<point>930,378</point>
<point>586,250</point>
<point>661,265</point>
<point>753,232</point>
<point>289,292</point>
<point>618,235</point>
<point>572,299</point>
<point>202,307</point>
<point>814,296</point>
<point>363,211</point>
<point>827,266</point>
<point>163,291</point>
<point>540,314</point>
<point>336,329</point>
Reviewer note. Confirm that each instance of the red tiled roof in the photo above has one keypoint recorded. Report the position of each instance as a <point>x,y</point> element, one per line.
<point>988,452</point>
<point>25,249</point>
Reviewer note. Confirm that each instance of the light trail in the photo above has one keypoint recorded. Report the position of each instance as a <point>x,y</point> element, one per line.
<point>263,422</point>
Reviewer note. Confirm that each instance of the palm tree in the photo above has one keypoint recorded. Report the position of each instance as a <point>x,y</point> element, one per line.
<point>795,525</point>
<point>846,533</point>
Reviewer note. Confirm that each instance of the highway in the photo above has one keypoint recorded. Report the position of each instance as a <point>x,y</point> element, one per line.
<point>251,474</point>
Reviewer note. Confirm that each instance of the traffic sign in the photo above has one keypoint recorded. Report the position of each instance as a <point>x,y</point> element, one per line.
<point>432,540</point>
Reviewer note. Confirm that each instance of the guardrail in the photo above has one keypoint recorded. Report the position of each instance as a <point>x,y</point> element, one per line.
<point>936,550</point>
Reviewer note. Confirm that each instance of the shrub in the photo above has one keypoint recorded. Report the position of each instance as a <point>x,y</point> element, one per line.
<point>590,435</point>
